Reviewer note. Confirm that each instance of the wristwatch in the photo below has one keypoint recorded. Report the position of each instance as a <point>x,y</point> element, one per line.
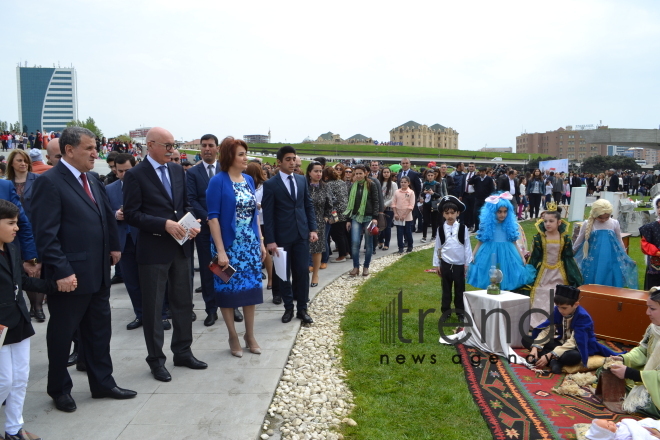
<point>33,261</point>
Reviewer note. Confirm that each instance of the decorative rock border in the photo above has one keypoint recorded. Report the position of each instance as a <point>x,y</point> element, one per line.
<point>312,400</point>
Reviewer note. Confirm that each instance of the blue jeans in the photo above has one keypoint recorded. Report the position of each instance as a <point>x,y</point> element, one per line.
<point>407,231</point>
<point>326,254</point>
<point>357,229</point>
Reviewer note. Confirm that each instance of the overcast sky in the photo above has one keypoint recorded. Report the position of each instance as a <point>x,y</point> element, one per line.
<point>490,70</point>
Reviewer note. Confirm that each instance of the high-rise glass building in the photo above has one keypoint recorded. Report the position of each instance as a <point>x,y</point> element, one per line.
<point>47,98</point>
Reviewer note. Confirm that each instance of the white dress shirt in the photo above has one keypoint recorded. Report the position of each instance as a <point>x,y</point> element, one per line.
<point>512,185</point>
<point>77,175</point>
<point>453,252</point>
<point>285,179</point>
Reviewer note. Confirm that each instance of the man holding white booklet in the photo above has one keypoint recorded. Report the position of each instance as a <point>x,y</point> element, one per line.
<point>155,201</point>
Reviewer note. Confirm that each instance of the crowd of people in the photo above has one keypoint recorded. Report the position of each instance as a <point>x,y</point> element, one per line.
<point>73,225</point>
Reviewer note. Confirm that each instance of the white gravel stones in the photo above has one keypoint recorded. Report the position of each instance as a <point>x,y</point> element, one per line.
<point>312,400</point>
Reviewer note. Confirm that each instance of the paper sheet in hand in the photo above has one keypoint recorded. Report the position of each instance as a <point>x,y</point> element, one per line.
<point>280,263</point>
<point>188,222</point>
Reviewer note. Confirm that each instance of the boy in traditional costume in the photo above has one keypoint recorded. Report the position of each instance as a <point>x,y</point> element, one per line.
<point>574,339</point>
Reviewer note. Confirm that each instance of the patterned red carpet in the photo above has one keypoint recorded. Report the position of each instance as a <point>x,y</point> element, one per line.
<point>519,404</point>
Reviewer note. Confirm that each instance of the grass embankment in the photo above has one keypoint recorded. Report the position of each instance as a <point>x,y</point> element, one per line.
<point>423,399</point>
<point>387,151</point>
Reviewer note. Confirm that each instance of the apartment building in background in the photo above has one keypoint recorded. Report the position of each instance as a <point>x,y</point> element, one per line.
<point>563,143</point>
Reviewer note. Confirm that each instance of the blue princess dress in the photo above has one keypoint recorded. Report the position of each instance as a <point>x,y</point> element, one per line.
<point>606,262</point>
<point>515,272</point>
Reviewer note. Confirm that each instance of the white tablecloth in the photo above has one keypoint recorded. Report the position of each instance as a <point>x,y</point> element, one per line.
<point>494,330</point>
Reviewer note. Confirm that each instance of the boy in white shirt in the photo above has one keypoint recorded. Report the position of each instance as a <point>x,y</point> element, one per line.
<point>452,255</point>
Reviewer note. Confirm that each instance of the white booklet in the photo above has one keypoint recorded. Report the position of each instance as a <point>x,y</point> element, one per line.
<point>188,222</point>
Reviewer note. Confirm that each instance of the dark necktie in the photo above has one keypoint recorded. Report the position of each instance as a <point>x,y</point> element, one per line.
<point>293,188</point>
<point>211,173</point>
<point>166,181</point>
<point>83,177</point>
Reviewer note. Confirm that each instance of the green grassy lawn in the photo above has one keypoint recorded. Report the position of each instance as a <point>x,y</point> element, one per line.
<point>412,399</point>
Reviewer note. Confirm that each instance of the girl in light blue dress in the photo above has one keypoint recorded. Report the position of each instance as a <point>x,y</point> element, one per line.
<point>599,250</point>
<point>497,236</point>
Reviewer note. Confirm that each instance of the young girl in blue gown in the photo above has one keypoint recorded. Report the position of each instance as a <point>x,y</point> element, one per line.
<point>599,250</point>
<point>498,232</point>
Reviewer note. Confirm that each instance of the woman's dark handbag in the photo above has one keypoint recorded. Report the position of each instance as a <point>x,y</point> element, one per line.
<point>382,221</point>
<point>434,205</point>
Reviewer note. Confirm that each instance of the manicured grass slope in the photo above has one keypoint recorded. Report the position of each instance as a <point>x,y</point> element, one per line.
<point>412,400</point>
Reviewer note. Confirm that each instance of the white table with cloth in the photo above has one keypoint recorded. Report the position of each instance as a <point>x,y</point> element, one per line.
<point>493,336</point>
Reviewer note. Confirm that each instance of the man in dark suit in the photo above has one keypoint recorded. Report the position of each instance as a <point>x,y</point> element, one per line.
<point>155,199</point>
<point>508,182</point>
<point>290,223</point>
<point>483,187</point>
<point>613,184</point>
<point>467,197</point>
<point>128,236</point>
<point>416,185</point>
<point>197,180</point>
<point>78,242</point>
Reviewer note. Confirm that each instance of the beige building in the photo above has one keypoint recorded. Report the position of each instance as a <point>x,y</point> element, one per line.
<point>563,143</point>
<point>414,134</point>
<point>334,138</point>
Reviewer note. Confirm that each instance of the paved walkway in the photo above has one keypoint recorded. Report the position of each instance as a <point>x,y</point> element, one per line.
<point>229,400</point>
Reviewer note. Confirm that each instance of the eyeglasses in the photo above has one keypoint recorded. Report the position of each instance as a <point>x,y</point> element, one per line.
<point>176,159</point>
<point>349,171</point>
<point>167,146</point>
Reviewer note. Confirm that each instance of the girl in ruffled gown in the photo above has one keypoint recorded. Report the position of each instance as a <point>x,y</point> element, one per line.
<point>600,252</point>
<point>498,233</point>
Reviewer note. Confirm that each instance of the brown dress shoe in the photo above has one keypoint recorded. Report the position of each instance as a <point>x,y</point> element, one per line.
<point>365,272</point>
<point>324,266</point>
<point>354,272</point>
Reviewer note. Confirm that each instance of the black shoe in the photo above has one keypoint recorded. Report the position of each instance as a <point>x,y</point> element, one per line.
<point>555,366</point>
<point>277,299</point>
<point>65,403</point>
<point>191,362</point>
<point>288,316</point>
<point>198,290</point>
<point>31,312</point>
<point>238,316</point>
<point>161,374</point>
<point>194,317</point>
<point>73,359</point>
<point>302,314</point>
<point>210,319</point>
<point>166,325</point>
<point>313,284</point>
<point>409,250</point>
<point>134,324</point>
<point>263,276</point>
<point>115,393</point>
<point>80,366</point>
<point>39,315</point>
<point>116,280</point>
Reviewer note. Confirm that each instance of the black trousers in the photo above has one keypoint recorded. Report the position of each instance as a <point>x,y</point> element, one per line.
<point>557,197</point>
<point>452,275</point>
<point>203,242</point>
<point>340,237</point>
<point>298,283</point>
<point>153,280</point>
<point>534,205</point>
<point>90,312</point>
<point>570,357</point>
<point>430,219</point>
<point>478,203</point>
<point>467,216</point>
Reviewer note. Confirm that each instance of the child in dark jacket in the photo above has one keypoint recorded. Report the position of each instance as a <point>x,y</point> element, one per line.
<point>574,339</point>
<point>14,315</point>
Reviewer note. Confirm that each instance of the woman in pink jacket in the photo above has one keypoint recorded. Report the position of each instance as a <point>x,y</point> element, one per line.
<point>403,203</point>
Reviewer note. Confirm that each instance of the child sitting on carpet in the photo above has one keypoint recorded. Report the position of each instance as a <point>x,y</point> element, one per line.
<point>574,338</point>
<point>626,429</point>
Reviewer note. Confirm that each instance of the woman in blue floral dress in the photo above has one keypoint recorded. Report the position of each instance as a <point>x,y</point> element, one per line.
<point>234,224</point>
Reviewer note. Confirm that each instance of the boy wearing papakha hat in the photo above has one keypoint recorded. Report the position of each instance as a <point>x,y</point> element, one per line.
<point>574,339</point>
<point>453,253</point>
